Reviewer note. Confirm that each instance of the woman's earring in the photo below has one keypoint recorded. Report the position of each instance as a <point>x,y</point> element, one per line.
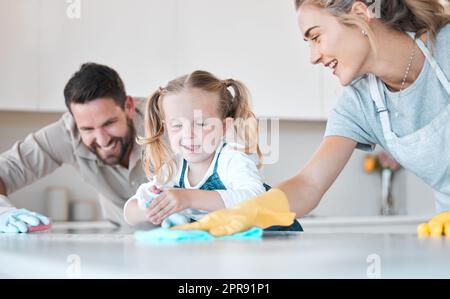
<point>364,32</point>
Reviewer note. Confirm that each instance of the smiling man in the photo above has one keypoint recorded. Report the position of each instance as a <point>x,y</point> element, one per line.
<point>97,137</point>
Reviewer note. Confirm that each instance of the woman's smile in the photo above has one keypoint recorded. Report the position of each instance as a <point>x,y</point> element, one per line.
<point>332,65</point>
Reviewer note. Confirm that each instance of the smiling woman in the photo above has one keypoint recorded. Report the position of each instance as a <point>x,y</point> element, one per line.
<point>418,16</point>
<point>387,68</point>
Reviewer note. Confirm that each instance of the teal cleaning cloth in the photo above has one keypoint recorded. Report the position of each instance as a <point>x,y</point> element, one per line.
<point>164,235</point>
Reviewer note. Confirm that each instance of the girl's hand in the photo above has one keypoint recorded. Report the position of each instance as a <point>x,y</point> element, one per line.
<point>147,196</point>
<point>169,201</point>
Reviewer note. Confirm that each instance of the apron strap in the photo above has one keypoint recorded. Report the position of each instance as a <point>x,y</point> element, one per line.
<point>379,103</point>
<point>376,95</point>
<point>439,73</point>
<point>183,170</point>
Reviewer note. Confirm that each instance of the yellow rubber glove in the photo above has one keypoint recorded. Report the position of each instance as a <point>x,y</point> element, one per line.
<point>439,225</point>
<point>270,208</point>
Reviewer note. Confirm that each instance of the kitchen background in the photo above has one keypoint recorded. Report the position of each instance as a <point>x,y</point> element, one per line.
<point>151,41</point>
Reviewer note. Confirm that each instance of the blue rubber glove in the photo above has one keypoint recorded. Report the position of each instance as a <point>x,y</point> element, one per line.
<point>17,220</point>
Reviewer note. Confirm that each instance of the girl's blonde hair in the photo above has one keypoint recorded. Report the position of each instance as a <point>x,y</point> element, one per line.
<point>157,153</point>
<point>417,16</point>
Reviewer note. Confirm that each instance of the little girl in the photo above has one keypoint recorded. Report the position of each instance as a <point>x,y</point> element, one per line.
<point>199,171</point>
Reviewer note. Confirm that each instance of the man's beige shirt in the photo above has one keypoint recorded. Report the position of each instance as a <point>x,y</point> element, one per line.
<point>60,143</point>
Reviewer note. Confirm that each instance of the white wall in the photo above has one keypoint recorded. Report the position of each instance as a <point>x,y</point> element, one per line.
<point>355,193</point>
<point>149,42</point>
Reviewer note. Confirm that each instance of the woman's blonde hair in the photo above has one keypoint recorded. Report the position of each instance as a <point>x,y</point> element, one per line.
<point>157,153</point>
<point>417,16</point>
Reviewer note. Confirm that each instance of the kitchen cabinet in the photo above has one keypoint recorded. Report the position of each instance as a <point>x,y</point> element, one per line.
<point>151,42</point>
<point>19,79</point>
<point>134,37</point>
<point>331,90</point>
<point>62,49</point>
<point>258,42</point>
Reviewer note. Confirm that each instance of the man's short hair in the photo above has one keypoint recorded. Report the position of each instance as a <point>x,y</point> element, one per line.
<point>93,81</point>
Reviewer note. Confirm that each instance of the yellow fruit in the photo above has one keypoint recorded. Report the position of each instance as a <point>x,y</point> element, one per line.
<point>439,225</point>
<point>369,163</point>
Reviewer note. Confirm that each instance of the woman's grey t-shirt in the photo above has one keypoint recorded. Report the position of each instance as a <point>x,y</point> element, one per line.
<point>354,115</point>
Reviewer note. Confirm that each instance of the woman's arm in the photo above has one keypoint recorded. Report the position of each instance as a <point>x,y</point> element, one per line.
<point>305,190</point>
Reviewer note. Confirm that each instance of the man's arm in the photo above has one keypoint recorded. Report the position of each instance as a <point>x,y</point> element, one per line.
<point>38,155</point>
<point>2,188</point>
<point>5,204</point>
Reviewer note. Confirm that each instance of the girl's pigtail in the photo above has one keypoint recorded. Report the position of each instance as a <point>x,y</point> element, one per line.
<point>245,122</point>
<point>157,153</point>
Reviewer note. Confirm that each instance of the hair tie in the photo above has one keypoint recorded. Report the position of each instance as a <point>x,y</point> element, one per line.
<point>228,82</point>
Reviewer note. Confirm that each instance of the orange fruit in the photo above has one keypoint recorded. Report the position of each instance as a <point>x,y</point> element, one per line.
<point>369,163</point>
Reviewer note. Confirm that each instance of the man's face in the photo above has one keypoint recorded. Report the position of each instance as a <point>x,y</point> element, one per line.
<point>105,128</point>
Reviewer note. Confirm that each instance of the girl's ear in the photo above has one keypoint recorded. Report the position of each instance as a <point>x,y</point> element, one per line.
<point>130,107</point>
<point>227,124</point>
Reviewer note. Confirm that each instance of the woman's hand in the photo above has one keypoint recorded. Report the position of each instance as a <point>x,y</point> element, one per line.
<point>169,201</point>
<point>265,210</point>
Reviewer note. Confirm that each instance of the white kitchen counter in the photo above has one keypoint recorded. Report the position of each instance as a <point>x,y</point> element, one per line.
<point>364,224</point>
<point>82,250</point>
